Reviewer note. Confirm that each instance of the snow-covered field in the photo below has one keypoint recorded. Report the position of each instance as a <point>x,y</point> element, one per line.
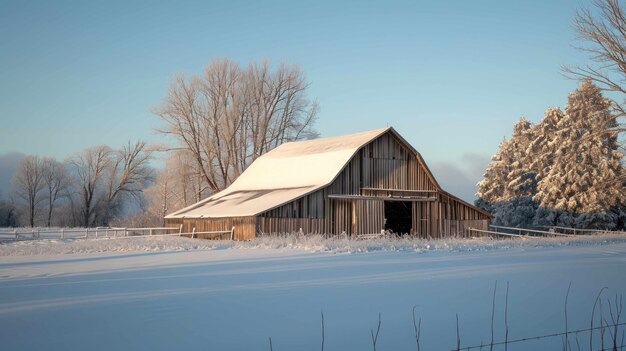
<point>175,293</point>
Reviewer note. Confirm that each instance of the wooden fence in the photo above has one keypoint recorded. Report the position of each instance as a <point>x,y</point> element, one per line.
<point>110,233</point>
<point>495,230</point>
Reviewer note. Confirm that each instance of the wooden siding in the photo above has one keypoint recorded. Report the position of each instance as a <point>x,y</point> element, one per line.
<point>269,225</point>
<point>460,228</point>
<point>370,216</point>
<point>388,164</point>
<point>384,168</point>
<point>245,227</point>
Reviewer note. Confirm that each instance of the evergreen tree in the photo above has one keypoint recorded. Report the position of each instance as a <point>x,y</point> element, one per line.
<point>521,177</point>
<point>541,148</point>
<point>509,183</point>
<point>585,171</point>
<point>541,151</point>
<point>566,170</point>
<point>516,212</point>
<point>491,188</point>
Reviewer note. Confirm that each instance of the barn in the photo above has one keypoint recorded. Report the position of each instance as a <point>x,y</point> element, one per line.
<point>353,184</point>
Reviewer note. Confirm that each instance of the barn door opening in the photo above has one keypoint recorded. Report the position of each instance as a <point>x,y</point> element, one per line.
<point>398,216</point>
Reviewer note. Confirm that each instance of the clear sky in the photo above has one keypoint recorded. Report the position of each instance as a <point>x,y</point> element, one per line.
<point>450,76</point>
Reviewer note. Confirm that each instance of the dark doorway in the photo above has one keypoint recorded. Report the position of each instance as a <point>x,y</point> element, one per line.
<point>398,217</point>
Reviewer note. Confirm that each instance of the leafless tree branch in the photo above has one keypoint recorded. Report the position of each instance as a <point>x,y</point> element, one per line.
<point>603,37</point>
<point>229,116</point>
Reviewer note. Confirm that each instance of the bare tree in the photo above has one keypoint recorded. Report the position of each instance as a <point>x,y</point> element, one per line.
<point>279,111</point>
<point>603,37</point>
<point>160,196</point>
<point>229,116</point>
<point>128,174</point>
<point>106,177</point>
<point>177,185</point>
<point>29,185</point>
<point>90,169</point>
<point>56,182</point>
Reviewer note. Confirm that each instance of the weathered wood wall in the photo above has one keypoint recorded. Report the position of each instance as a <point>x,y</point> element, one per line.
<point>445,217</point>
<point>245,227</point>
<point>270,225</point>
<point>370,216</point>
<point>460,228</point>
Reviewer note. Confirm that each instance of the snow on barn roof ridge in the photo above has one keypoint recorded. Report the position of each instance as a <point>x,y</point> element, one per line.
<point>290,171</point>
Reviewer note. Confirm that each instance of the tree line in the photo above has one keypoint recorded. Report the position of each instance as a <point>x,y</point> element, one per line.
<point>221,121</point>
<point>565,170</point>
<point>88,189</point>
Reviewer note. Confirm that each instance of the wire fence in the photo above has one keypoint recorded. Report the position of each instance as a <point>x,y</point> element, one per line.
<point>546,336</point>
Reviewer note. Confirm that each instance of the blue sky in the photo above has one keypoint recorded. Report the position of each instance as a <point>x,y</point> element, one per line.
<point>450,76</point>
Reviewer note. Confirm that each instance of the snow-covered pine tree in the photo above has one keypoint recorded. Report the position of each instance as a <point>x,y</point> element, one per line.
<point>516,212</point>
<point>509,184</point>
<point>585,175</point>
<point>541,152</point>
<point>491,187</point>
<point>521,177</point>
<point>541,148</point>
<point>516,207</point>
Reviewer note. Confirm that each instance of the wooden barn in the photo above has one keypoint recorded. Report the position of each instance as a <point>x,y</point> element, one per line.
<point>355,184</point>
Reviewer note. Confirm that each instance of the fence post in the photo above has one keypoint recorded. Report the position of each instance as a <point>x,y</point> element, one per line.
<point>87,233</point>
<point>180,231</point>
<point>232,233</point>
<point>96,233</point>
<point>15,232</point>
<point>193,232</point>
<point>62,233</point>
<point>125,232</point>
<point>150,231</point>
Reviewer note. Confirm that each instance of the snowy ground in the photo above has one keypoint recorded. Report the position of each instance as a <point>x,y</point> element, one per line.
<point>175,293</point>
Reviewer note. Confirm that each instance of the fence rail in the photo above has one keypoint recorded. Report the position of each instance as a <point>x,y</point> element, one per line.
<point>525,232</point>
<point>576,231</point>
<point>110,233</point>
<point>489,232</point>
<point>520,231</point>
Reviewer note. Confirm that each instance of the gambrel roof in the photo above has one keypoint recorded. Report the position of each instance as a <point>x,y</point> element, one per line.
<point>286,173</point>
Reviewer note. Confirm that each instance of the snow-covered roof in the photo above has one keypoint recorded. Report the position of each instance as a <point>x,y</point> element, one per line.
<point>289,171</point>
